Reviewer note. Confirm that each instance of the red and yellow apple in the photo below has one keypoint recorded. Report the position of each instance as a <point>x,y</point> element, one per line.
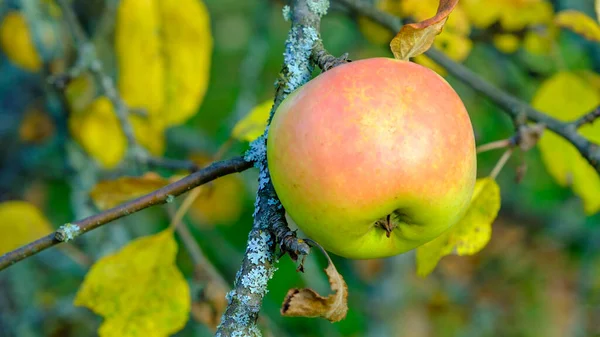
<point>373,158</point>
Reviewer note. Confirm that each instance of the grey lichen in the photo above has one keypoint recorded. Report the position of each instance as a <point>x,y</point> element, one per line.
<point>318,7</point>
<point>298,48</point>
<point>170,198</point>
<point>287,14</point>
<point>67,232</point>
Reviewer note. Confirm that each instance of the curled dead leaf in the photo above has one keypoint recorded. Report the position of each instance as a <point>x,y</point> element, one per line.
<point>308,303</point>
<point>416,38</point>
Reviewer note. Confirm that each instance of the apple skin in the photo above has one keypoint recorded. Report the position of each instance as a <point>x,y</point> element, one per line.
<point>368,139</point>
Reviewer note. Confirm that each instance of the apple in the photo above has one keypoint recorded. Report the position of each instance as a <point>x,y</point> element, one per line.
<point>373,158</point>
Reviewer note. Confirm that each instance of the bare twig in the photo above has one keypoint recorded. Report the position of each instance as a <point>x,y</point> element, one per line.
<point>513,106</point>
<point>324,60</point>
<point>499,144</point>
<point>501,162</point>
<point>166,194</point>
<point>588,118</point>
<point>269,219</point>
<point>87,59</point>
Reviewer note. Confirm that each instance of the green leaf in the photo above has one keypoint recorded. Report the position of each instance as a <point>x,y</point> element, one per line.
<point>567,97</point>
<point>470,234</point>
<point>139,291</point>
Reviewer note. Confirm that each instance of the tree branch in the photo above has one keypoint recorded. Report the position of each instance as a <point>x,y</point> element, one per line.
<point>166,194</point>
<point>270,227</point>
<point>87,59</point>
<point>324,60</point>
<point>513,106</point>
<point>588,118</point>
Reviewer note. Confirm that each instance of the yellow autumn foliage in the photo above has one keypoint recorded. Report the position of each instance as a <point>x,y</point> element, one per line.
<point>254,123</point>
<point>512,15</point>
<point>579,23</point>
<point>567,96</point>
<point>21,222</point>
<point>163,52</point>
<point>97,130</point>
<point>138,290</point>
<point>470,235</point>
<point>17,42</point>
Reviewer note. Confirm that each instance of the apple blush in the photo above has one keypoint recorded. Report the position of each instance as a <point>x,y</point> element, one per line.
<point>373,158</point>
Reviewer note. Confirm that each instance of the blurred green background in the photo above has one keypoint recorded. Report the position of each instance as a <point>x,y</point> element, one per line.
<point>539,275</point>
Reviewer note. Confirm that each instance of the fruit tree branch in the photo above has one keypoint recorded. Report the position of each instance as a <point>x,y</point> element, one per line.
<point>324,60</point>
<point>270,227</point>
<point>513,106</point>
<point>588,118</point>
<point>163,195</point>
<point>87,59</point>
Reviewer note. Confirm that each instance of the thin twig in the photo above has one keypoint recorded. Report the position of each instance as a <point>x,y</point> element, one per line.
<point>501,162</point>
<point>324,59</point>
<point>511,105</point>
<point>588,118</point>
<point>499,144</point>
<point>160,196</point>
<point>87,59</point>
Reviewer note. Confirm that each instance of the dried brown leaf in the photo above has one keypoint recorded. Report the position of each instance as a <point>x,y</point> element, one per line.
<point>307,303</point>
<point>210,305</point>
<point>414,39</point>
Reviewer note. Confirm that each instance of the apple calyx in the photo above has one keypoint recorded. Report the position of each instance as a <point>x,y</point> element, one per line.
<point>390,222</point>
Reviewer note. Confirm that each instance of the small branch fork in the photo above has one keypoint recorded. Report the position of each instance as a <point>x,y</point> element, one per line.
<point>513,106</point>
<point>87,59</point>
<point>321,57</point>
<point>166,194</point>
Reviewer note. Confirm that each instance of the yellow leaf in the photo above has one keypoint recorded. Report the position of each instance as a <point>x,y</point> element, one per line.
<point>253,124</point>
<point>540,42</point>
<point>221,202</point>
<point>506,43</point>
<point>470,234</point>
<point>98,131</point>
<point>579,23</point>
<point>21,223</point>
<point>415,38</point>
<point>110,193</point>
<point>597,6</point>
<point>566,97</point>
<point>80,93</point>
<point>148,134</point>
<point>307,303</point>
<point>170,80</point>
<point>17,42</point>
<point>513,15</point>
<point>138,290</point>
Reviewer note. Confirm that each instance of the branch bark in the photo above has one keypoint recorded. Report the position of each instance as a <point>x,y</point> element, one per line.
<point>166,194</point>
<point>270,227</point>
<point>513,106</point>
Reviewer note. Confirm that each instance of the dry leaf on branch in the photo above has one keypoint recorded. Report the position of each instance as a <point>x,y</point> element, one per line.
<point>414,39</point>
<point>307,303</point>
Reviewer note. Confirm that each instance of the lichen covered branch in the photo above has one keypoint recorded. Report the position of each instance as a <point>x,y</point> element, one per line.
<point>270,227</point>
<point>513,106</point>
<point>166,194</point>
